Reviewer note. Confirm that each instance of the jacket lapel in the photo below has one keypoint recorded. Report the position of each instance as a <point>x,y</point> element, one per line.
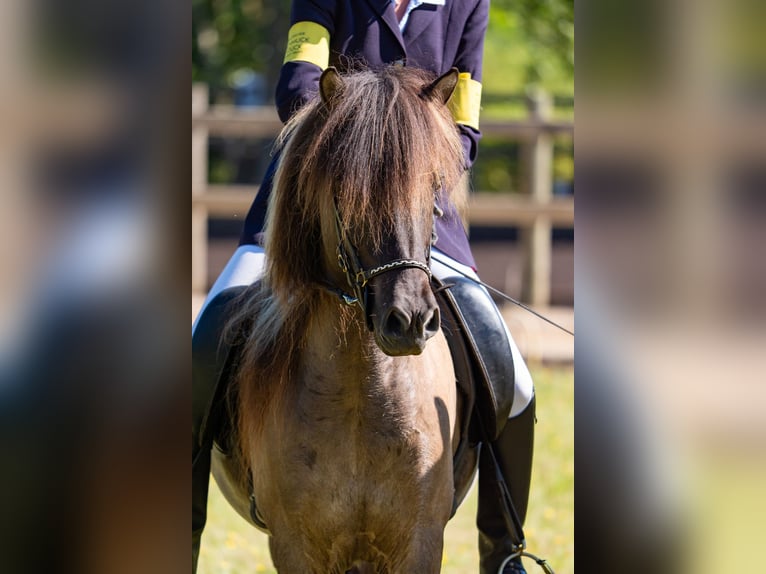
<point>420,20</point>
<point>385,9</point>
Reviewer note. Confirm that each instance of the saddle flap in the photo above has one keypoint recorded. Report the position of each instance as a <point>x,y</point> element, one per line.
<point>475,333</point>
<point>213,360</point>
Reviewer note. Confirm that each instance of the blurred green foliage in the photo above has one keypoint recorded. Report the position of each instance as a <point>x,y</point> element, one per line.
<point>530,45</point>
<point>233,35</point>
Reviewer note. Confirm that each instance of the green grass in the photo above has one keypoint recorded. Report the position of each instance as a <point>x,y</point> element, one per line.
<point>230,545</point>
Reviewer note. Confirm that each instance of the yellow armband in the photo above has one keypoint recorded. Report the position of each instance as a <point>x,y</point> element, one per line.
<point>465,102</point>
<point>308,42</point>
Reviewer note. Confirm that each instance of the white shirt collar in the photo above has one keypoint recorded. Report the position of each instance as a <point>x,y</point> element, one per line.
<point>414,4</point>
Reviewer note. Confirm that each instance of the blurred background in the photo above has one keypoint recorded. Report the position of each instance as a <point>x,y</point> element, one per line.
<point>94,366</point>
<point>670,285</point>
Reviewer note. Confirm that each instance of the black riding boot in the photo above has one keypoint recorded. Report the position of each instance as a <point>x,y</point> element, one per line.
<point>513,449</point>
<point>210,362</point>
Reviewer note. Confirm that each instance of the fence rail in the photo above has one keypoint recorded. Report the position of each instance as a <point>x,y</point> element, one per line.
<point>535,212</point>
<point>263,122</point>
<point>484,208</point>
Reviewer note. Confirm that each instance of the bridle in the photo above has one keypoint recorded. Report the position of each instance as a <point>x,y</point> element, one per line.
<point>357,276</point>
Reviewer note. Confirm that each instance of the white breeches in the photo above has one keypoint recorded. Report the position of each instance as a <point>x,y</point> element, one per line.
<point>248,262</point>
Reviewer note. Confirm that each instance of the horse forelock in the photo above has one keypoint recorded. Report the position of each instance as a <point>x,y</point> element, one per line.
<point>378,151</point>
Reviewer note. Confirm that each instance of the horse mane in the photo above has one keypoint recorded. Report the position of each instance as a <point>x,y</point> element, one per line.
<point>382,147</point>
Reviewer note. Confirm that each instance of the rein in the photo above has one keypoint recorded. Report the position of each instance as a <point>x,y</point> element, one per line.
<point>357,276</point>
<point>504,296</point>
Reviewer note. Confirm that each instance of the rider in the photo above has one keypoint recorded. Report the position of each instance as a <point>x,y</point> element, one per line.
<point>434,35</point>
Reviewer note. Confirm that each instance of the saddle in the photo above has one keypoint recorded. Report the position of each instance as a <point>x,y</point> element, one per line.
<point>483,372</point>
<point>479,346</point>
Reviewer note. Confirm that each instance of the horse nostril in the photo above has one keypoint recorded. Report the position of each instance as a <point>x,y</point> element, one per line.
<point>406,334</point>
<point>396,324</point>
<point>433,323</point>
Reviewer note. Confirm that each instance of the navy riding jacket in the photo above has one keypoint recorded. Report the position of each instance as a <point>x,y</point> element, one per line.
<point>345,33</point>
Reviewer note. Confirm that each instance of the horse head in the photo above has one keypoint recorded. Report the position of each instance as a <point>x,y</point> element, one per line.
<point>385,256</point>
<point>361,169</point>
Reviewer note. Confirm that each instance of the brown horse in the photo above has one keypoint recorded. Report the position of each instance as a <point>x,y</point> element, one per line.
<point>346,417</point>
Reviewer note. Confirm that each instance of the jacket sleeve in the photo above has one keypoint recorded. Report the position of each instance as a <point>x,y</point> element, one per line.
<point>306,55</point>
<point>465,103</point>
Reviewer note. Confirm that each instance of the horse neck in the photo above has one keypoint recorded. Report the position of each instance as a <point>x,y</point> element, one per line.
<point>341,357</point>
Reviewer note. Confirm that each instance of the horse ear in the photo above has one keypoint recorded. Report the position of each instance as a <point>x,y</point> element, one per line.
<point>330,84</point>
<point>441,89</point>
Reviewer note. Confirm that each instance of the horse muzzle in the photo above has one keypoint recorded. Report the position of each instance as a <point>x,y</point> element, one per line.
<point>405,331</point>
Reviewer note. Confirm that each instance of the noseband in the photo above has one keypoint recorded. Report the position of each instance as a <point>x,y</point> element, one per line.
<point>357,276</point>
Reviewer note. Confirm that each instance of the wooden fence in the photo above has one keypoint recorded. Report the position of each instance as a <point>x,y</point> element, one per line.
<point>534,212</point>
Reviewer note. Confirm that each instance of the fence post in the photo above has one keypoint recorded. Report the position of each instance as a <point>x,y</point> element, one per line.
<point>199,184</point>
<point>536,239</point>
